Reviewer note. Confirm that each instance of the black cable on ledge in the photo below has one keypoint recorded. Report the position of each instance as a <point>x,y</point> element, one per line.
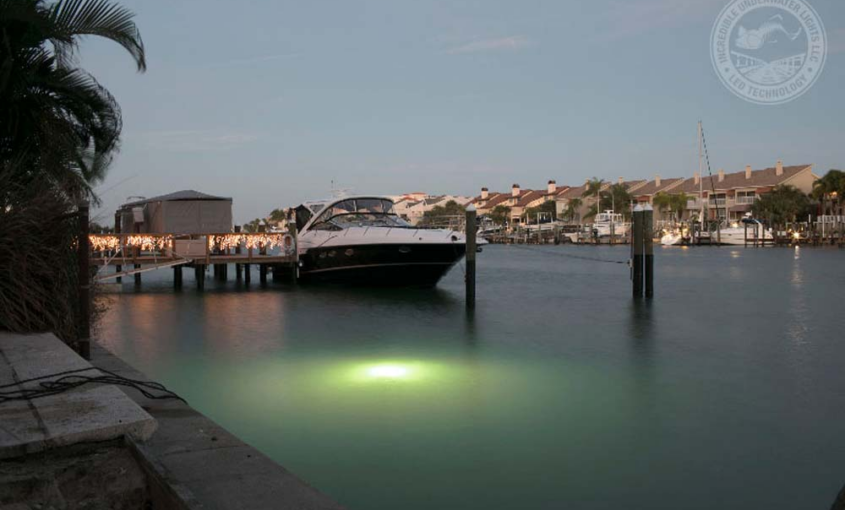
<point>71,379</point>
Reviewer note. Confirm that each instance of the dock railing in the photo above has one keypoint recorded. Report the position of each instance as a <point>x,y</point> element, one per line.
<point>207,248</point>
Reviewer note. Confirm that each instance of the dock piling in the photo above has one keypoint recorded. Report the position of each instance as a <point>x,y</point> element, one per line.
<point>294,269</point>
<point>470,256</point>
<point>118,268</point>
<point>84,260</point>
<point>199,272</point>
<point>637,250</point>
<point>648,241</point>
<point>177,277</point>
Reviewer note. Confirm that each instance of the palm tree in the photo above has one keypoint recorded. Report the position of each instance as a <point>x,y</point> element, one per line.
<point>617,198</point>
<point>500,214</point>
<point>830,189</point>
<point>58,125</point>
<point>572,207</point>
<point>662,201</point>
<point>594,186</point>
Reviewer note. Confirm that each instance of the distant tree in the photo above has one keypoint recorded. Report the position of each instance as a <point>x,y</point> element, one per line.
<point>500,214</point>
<point>572,208</point>
<point>547,209</point>
<point>784,203</point>
<point>442,213</point>
<point>830,190</point>
<point>675,203</point>
<point>277,215</point>
<point>593,190</point>
<point>618,199</point>
<point>253,225</point>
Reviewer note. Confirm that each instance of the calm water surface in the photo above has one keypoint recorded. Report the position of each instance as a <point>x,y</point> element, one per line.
<point>727,391</point>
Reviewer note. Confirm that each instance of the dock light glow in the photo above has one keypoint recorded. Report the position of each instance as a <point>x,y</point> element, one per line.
<point>388,371</point>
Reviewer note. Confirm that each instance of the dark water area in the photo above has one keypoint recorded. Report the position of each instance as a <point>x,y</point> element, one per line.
<point>726,391</point>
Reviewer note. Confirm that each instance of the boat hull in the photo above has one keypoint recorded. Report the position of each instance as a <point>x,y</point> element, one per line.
<point>383,265</point>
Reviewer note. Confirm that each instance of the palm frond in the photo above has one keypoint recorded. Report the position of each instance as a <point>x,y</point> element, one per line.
<point>73,18</point>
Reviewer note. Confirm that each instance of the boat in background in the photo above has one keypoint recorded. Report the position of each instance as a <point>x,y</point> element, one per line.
<point>735,234</point>
<point>672,238</point>
<point>361,240</point>
<point>609,223</point>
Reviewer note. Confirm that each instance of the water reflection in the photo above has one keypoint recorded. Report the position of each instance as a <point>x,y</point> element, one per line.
<point>558,371</point>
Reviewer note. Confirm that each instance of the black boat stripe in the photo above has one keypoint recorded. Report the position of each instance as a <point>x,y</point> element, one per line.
<point>379,265</point>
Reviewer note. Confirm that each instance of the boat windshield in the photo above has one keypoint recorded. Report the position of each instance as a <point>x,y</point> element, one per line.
<point>359,212</point>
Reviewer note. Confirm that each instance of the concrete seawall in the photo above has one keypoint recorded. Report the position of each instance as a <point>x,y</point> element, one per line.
<point>194,463</point>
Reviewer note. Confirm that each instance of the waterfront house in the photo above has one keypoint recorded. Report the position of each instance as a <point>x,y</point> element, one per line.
<point>730,195</point>
<point>645,193</point>
<point>412,208</point>
<point>562,199</point>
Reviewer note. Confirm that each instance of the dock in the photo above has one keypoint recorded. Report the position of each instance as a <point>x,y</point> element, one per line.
<point>134,254</point>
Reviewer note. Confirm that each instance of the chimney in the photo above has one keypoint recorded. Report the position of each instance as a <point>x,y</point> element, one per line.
<point>721,174</point>
<point>515,190</point>
<point>779,168</point>
<point>747,171</point>
<point>696,178</point>
<point>657,181</point>
<point>484,193</point>
<point>552,187</point>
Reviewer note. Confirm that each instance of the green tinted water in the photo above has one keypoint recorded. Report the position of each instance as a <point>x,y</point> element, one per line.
<point>727,391</point>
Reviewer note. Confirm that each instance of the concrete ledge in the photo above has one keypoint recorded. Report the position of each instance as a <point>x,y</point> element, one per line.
<point>195,461</point>
<point>88,413</point>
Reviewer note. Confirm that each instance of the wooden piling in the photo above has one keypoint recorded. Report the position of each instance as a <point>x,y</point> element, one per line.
<point>199,273</point>
<point>247,273</point>
<point>637,250</point>
<point>648,241</point>
<point>238,267</point>
<point>470,256</point>
<point>118,268</point>
<point>262,273</point>
<point>83,341</point>
<point>137,275</point>
<point>294,270</point>
<point>177,277</point>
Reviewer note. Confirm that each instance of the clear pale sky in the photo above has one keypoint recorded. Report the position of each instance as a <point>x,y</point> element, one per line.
<point>269,101</point>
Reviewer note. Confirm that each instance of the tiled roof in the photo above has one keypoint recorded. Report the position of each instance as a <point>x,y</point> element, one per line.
<point>499,199</point>
<point>651,187</point>
<point>634,185</point>
<point>575,192</point>
<point>736,180</point>
<point>528,196</point>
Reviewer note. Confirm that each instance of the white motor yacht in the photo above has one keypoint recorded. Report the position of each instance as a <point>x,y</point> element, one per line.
<point>360,240</point>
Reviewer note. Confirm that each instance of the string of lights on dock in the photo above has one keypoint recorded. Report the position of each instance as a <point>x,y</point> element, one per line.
<point>100,242</point>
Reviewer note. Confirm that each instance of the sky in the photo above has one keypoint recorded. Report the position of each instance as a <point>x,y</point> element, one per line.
<point>276,102</point>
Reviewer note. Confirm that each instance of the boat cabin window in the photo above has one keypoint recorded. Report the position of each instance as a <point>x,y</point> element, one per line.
<point>359,212</point>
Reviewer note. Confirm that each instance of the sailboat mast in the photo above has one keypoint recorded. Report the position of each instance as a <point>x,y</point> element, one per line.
<point>700,177</point>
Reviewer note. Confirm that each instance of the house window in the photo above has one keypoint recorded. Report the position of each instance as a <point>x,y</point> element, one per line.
<point>717,199</point>
<point>746,197</point>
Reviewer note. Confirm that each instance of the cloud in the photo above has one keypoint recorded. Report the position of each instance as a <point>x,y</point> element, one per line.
<point>195,140</point>
<point>514,42</point>
<point>635,17</point>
